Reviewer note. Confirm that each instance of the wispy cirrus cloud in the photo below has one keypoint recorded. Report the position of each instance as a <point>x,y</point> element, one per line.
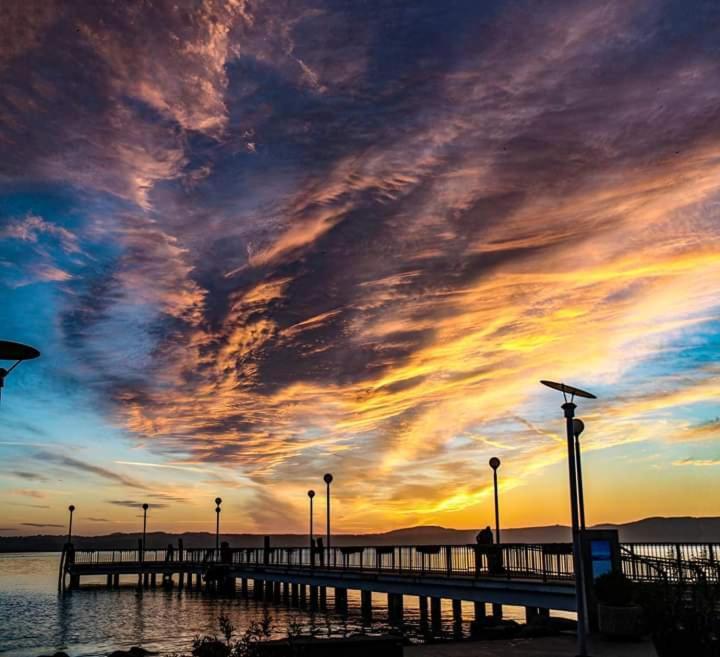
<point>89,468</point>
<point>360,252</point>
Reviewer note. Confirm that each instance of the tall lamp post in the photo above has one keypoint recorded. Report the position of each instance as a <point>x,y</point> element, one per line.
<point>569,412</point>
<point>578,428</point>
<point>218,502</point>
<point>327,478</point>
<point>17,352</point>
<point>145,508</point>
<point>71,508</point>
<point>311,494</point>
<point>495,464</point>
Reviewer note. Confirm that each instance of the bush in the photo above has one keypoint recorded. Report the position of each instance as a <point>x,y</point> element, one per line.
<point>614,589</point>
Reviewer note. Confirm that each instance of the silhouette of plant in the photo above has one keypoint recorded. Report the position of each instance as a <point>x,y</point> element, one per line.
<point>245,646</point>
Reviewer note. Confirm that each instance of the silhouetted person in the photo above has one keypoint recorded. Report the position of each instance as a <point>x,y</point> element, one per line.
<point>485,536</point>
<point>170,552</point>
<point>320,550</point>
<point>225,552</point>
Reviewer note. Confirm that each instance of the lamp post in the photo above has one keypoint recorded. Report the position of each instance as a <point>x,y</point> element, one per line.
<point>578,428</point>
<point>218,502</point>
<point>71,508</point>
<point>145,508</point>
<point>327,478</point>
<point>495,464</point>
<point>17,352</point>
<point>569,413</point>
<point>311,494</point>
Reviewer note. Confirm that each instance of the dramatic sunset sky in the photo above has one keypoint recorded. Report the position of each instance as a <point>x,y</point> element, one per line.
<point>259,240</point>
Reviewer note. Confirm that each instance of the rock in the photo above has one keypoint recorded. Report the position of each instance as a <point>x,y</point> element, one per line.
<point>135,651</point>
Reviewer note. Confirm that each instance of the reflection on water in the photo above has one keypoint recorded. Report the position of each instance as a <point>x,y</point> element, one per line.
<point>93,620</point>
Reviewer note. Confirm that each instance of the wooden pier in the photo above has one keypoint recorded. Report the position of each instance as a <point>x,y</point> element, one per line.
<point>537,577</point>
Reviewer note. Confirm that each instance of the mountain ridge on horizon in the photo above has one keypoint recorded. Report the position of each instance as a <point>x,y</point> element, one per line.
<point>652,529</point>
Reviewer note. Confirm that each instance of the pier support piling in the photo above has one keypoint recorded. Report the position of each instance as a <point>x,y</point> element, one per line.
<point>395,608</point>
<point>366,605</point>
<point>286,592</point>
<point>479,611</point>
<point>436,615</point>
<point>457,617</point>
<point>341,600</point>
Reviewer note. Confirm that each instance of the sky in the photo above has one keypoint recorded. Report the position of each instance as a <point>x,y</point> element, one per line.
<point>261,240</point>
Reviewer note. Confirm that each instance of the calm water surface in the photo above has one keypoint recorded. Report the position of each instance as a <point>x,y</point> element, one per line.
<point>93,620</point>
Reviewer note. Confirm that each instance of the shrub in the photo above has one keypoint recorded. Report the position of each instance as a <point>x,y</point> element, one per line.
<point>614,589</point>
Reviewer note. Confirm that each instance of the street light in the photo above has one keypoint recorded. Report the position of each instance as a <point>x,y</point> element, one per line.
<point>495,464</point>
<point>569,412</point>
<point>17,352</point>
<point>71,508</point>
<point>327,478</point>
<point>218,502</point>
<point>578,428</point>
<point>145,510</point>
<point>311,494</point>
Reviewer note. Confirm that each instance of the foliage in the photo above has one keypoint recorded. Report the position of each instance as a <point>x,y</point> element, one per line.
<point>614,589</point>
<point>244,646</point>
<point>683,619</point>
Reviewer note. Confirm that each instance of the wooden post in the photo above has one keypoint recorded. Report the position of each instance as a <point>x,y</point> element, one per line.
<point>286,591</point>
<point>294,595</point>
<point>61,570</point>
<point>341,599</point>
<point>423,607</point>
<point>395,608</point>
<point>479,611</point>
<point>323,597</point>
<point>276,592</point>
<point>366,605</point>
<point>436,615</point>
<point>457,617</point>
<point>497,612</point>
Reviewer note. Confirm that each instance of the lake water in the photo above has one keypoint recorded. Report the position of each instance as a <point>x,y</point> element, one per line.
<point>92,621</point>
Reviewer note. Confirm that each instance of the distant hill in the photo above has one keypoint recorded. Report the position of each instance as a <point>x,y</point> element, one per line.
<point>681,529</point>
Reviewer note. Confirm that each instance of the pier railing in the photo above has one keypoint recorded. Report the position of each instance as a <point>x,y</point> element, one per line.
<point>670,562</point>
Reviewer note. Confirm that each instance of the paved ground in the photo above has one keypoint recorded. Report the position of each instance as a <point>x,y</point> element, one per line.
<point>560,646</point>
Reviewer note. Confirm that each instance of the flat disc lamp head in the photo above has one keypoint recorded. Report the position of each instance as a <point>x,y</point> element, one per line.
<point>17,352</point>
<point>568,390</point>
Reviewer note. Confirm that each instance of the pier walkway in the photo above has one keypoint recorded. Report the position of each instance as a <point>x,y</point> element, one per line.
<point>538,577</point>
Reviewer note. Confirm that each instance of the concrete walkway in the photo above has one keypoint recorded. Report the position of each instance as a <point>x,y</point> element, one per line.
<point>557,646</point>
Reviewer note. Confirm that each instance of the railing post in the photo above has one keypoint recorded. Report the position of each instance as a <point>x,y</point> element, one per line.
<point>448,559</point>
<point>678,556</point>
